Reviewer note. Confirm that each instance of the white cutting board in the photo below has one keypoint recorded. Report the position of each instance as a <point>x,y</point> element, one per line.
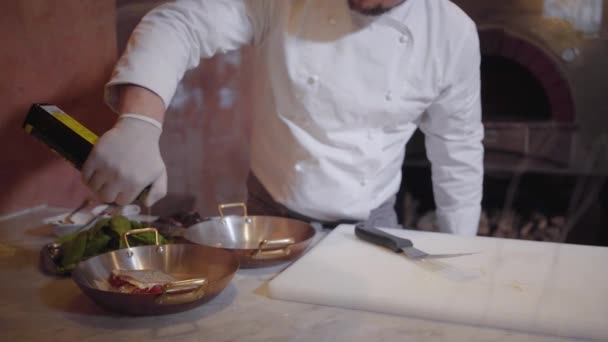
<point>538,287</point>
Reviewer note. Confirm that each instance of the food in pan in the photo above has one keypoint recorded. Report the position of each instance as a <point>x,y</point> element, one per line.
<point>175,224</point>
<point>139,281</point>
<point>105,236</point>
<point>180,219</point>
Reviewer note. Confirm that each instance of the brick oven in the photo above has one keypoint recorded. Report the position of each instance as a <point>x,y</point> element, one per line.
<point>545,110</point>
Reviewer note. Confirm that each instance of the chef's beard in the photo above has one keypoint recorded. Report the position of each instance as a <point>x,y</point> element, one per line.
<point>372,11</point>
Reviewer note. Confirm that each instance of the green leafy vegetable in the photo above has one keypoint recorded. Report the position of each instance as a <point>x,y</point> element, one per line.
<point>73,249</point>
<point>66,237</point>
<point>146,239</point>
<point>96,245</point>
<point>120,224</point>
<point>105,236</point>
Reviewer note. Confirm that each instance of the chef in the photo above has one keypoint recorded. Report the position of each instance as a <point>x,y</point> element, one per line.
<point>341,86</point>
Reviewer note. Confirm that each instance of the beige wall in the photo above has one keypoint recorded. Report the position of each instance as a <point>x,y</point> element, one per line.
<point>58,52</point>
<point>62,52</point>
<point>205,142</point>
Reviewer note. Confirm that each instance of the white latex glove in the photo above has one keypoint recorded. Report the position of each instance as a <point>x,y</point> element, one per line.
<point>125,160</point>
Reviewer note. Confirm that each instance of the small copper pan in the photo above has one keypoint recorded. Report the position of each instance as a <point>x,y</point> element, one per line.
<point>202,273</point>
<point>257,241</point>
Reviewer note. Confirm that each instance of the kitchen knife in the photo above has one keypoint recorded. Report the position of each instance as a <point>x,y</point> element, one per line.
<point>397,244</point>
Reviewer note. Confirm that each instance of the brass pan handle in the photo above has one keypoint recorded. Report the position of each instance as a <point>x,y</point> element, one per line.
<point>263,254</point>
<point>139,231</point>
<point>196,290</point>
<point>221,207</point>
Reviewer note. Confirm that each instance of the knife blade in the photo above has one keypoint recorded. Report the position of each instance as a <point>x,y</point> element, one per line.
<point>397,244</point>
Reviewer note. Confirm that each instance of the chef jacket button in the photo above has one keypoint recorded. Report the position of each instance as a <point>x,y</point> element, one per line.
<point>332,21</point>
<point>298,167</point>
<point>312,80</point>
<point>403,39</point>
<point>388,96</point>
<point>363,182</point>
<point>370,135</point>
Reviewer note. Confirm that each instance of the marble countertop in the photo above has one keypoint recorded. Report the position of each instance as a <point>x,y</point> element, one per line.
<point>37,307</point>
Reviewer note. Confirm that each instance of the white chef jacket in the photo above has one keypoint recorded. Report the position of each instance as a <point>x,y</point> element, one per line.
<point>338,95</point>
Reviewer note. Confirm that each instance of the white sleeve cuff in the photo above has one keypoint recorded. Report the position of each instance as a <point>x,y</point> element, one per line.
<point>460,221</point>
<point>143,118</point>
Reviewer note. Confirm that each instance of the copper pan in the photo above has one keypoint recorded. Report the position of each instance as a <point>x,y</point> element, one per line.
<point>203,273</point>
<point>257,241</point>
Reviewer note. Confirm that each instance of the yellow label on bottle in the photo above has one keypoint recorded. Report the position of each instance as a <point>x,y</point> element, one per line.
<point>28,129</point>
<point>75,126</point>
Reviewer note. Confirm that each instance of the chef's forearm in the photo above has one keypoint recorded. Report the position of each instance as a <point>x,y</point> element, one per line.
<point>457,168</point>
<point>167,42</point>
<point>139,100</point>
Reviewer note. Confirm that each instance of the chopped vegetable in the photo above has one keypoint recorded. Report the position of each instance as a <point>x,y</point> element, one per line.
<point>105,236</point>
<point>96,245</point>
<point>73,251</point>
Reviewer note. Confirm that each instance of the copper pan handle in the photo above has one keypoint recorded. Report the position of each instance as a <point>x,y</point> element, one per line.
<point>262,254</point>
<point>139,231</point>
<point>221,208</point>
<point>196,290</point>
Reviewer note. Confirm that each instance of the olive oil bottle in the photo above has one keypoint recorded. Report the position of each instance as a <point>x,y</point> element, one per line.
<point>64,135</point>
<point>61,132</point>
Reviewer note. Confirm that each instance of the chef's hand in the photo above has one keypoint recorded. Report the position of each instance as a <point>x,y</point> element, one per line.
<point>125,160</point>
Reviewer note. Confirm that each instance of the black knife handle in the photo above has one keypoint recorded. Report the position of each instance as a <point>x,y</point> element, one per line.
<point>380,238</point>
